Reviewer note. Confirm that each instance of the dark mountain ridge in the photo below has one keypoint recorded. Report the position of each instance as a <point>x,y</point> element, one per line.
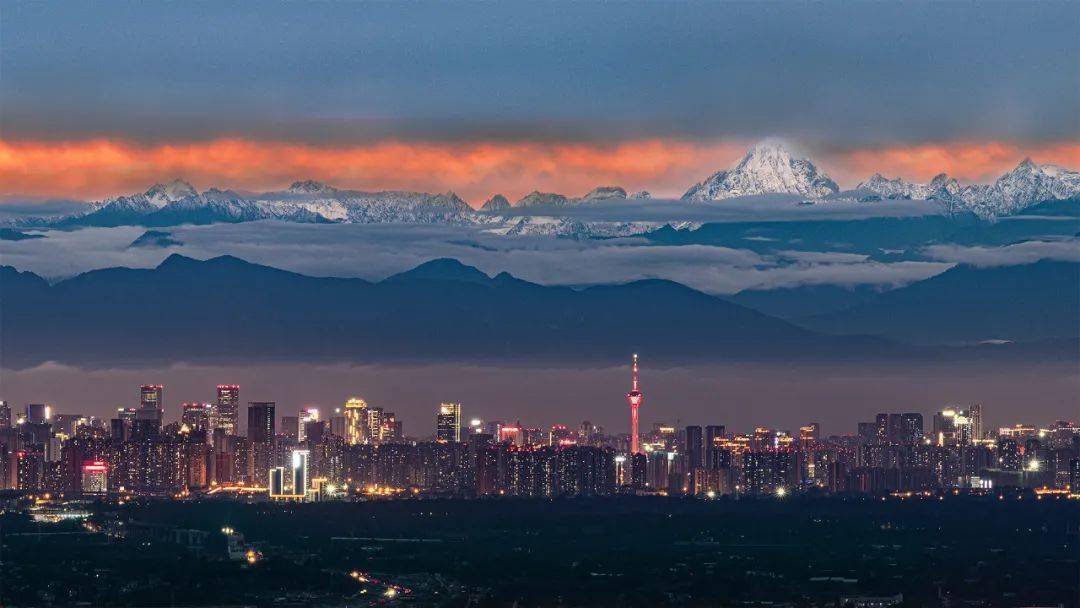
<point>228,309</point>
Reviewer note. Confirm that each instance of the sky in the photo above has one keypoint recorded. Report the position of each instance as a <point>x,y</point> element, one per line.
<point>103,99</point>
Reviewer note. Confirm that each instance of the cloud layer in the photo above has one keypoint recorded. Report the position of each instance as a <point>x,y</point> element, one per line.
<point>376,251</point>
<point>475,170</point>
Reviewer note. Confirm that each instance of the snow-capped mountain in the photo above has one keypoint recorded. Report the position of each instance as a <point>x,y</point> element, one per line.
<point>551,199</point>
<point>1022,187</point>
<point>540,225</point>
<point>537,198</point>
<point>768,168</point>
<point>496,203</point>
<point>898,188</point>
<point>604,193</point>
<point>160,195</point>
<point>308,201</point>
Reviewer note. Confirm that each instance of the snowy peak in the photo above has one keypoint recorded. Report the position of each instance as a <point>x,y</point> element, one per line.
<point>894,188</point>
<point>604,193</point>
<point>1029,183</point>
<point>550,199</point>
<point>943,184</point>
<point>310,187</point>
<point>496,203</point>
<point>160,195</point>
<point>537,198</point>
<point>768,168</point>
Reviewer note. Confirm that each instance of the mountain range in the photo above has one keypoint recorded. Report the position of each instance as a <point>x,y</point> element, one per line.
<point>768,168</point>
<point>228,309</point>
<point>216,310</point>
<point>966,305</point>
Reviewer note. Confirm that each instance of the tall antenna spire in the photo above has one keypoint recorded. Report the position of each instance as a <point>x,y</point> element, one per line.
<point>634,397</point>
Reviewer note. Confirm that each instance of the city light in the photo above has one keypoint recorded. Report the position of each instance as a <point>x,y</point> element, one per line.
<point>781,492</point>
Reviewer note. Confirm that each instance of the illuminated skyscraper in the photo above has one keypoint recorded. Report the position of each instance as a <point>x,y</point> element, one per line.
<point>307,414</point>
<point>260,433</point>
<point>5,415</point>
<point>634,397</point>
<point>227,410</point>
<point>299,472</point>
<point>448,423</point>
<point>196,416</point>
<point>375,430</point>
<point>152,397</point>
<point>277,482</point>
<point>356,420</point>
<point>95,477</point>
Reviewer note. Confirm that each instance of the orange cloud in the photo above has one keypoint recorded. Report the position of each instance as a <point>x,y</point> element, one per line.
<point>966,161</point>
<point>99,168</point>
<point>475,170</point>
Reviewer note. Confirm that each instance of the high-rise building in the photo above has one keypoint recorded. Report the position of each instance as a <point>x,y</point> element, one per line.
<point>196,416</point>
<point>227,409</point>
<point>123,425</point>
<point>356,420</point>
<point>95,477</point>
<point>634,398</point>
<point>809,434</point>
<point>695,457</point>
<point>714,433</point>
<point>448,423</point>
<point>5,415</point>
<point>300,472</point>
<point>374,426</point>
<point>307,414</point>
<point>337,423</point>
<point>260,433</point>
<point>152,397</point>
<point>913,428</point>
<point>37,413</point>
<point>974,415</point>
<point>1009,458</point>
<point>277,482</point>
<point>958,427</point>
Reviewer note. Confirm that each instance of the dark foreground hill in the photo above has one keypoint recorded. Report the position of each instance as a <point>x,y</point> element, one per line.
<point>968,304</point>
<point>227,309</point>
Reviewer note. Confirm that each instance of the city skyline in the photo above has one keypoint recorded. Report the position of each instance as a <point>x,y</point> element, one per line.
<point>452,421</point>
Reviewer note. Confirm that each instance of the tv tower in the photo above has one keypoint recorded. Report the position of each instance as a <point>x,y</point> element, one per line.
<point>635,396</point>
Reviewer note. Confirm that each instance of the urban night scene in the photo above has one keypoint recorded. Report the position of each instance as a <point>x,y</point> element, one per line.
<point>540,304</point>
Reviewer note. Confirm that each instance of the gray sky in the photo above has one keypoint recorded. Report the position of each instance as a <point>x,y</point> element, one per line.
<point>830,73</point>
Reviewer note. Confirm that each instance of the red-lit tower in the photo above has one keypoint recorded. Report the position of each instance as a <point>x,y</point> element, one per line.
<point>635,396</point>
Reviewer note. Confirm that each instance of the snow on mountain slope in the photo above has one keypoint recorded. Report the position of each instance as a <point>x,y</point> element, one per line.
<point>768,168</point>
<point>1020,188</point>
<point>894,188</point>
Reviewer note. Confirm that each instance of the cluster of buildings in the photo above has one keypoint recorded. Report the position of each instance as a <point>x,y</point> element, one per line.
<point>358,449</point>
